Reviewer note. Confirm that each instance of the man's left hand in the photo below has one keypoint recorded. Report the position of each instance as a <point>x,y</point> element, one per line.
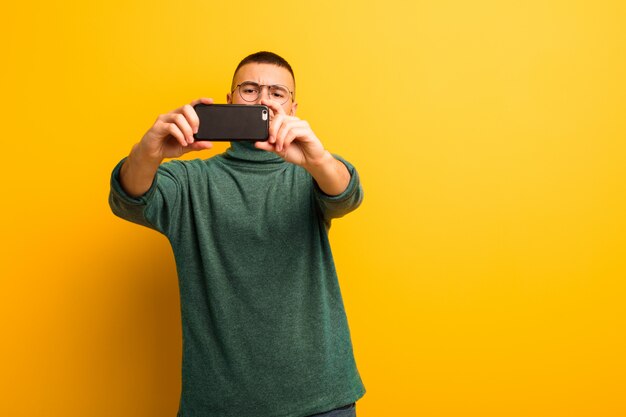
<point>291,138</point>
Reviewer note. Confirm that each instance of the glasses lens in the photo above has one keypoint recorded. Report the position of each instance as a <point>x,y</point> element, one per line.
<point>279,93</point>
<point>249,91</point>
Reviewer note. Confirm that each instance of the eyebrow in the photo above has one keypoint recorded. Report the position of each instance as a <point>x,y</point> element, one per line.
<point>233,85</point>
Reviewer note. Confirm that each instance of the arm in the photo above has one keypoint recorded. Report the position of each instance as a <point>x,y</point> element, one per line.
<point>334,206</point>
<point>294,140</point>
<point>135,193</point>
<point>331,175</point>
<point>137,172</point>
<point>170,137</point>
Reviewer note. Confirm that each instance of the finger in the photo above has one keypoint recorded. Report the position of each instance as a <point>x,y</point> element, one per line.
<point>192,118</point>
<point>264,145</point>
<point>284,130</point>
<point>275,127</point>
<point>183,125</point>
<point>277,124</point>
<point>294,133</point>
<point>173,130</point>
<point>203,100</point>
<point>287,123</point>
<point>199,146</point>
<point>274,106</point>
<point>161,126</point>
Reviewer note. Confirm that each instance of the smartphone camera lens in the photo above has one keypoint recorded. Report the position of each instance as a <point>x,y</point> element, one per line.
<point>264,114</point>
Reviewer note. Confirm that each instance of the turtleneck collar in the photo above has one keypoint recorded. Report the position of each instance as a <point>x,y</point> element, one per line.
<point>245,151</point>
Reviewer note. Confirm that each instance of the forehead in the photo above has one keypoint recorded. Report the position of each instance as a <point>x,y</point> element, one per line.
<point>267,74</point>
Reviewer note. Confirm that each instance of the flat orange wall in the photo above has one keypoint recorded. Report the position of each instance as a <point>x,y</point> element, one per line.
<point>484,274</point>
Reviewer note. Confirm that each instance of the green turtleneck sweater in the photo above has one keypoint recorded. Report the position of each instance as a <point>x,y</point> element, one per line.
<point>264,328</point>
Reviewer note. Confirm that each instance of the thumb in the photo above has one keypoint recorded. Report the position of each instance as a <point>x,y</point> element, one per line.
<point>198,146</point>
<point>266,146</point>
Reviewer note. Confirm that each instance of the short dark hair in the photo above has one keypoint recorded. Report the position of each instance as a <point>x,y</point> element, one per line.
<point>265,57</point>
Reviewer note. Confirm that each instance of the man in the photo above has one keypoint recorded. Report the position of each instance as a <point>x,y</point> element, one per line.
<point>265,332</point>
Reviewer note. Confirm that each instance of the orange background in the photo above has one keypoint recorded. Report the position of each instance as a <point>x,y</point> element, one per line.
<point>484,274</point>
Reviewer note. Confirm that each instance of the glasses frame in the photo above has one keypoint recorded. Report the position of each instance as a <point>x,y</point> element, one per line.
<point>261,91</point>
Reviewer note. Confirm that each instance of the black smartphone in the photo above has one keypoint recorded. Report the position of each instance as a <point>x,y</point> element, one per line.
<point>229,122</point>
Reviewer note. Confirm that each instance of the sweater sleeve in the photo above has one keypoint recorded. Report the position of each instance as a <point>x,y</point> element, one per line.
<point>339,205</point>
<point>158,206</point>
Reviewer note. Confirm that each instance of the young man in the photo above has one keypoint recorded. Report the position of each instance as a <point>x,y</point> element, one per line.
<point>265,332</point>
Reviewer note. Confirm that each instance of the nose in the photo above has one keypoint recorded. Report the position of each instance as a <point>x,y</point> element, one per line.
<point>265,93</point>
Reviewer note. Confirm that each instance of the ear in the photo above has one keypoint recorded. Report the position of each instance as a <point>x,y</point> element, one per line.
<point>294,107</point>
<point>228,98</point>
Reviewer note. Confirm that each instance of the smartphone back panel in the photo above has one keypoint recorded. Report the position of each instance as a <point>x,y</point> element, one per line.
<point>228,122</point>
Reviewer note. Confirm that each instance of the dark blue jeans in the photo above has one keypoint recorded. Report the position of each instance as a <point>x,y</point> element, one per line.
<point>348,410</point>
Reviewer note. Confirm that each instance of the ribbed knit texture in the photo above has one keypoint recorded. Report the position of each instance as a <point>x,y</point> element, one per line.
<point>265,332</point>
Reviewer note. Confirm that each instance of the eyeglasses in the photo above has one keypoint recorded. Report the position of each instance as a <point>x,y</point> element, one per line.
<point>250,91</point>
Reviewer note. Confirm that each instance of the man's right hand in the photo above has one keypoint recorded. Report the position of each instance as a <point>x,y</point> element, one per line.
<point>170,137</point>
<point>172,133</point>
